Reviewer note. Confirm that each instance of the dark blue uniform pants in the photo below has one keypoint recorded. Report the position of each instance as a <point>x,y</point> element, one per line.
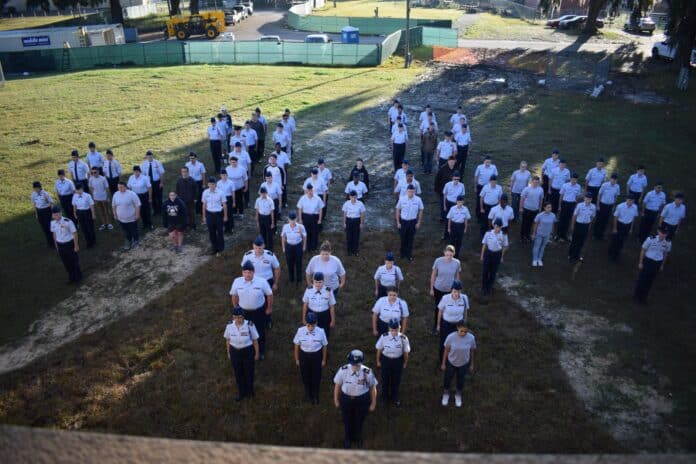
<point>398,153</point>
<point>528,216</point>
<point>43,215</point>
<point>323,321</point>
<point>215,230</point>
<point>354,410</point>
<point>258,317</point>
<point>602,220</point>
<point>567,210</point>
<point>391,377</point>
<point>66,204</point>
<point>84,216</point>
<point>70,260</point>
<point>310,371</point>
<point>352,235</point>
<point>265,230</point>
<point>491,262</point>
<point>229,225</point>
<point>451,371</point>
<point>578,240</point>
<point>646,278</point>
<point>646,224</point>
<point>457,237</point>
<point>310,221</point>
<point>293,258</point>
<point>618,239</point>
<point>242,362</point>
<point>407,233</point>
<point>446,328</point>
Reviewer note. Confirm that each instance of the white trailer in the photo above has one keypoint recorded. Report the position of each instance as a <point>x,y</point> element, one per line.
<point>61,37</point>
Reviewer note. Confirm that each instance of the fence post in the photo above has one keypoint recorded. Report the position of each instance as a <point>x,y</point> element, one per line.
<point>332,53</point>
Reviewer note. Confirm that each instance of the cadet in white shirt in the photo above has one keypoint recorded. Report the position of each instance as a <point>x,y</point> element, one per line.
<point>518,182</point>
<point>215,140</point>
<point>310,356</point>
<point>387,308</point>
<point>214,216</point>
<point>325,175</point>
<point>558,176</point>
<point>155,172</point>
<point>250,138</point>
<point>242,346</point>
<point>450,192</point>
<point>399,140</point>
<point>281,137</point>
<point>43,202</point>
<point>595,178</point>
<point>387,275</point>
<point>197,173</point>
<point>483,174</point>
<point>140,184</point>
<point>265,217</point>
<point>226,187</point>
<point>65,238</point>
<point>64,189</point>
<point>224,127</point>
<point>446,269</point>
<point>83,208</point>
<point>400,175</point>
<point>582,218</point>
<point>546,168</point>
<point>309,208</point>
<point>275,192</point>
<point>112,171</point>
<point>453,307</point>
<point>445,149</point>
<point>294,240</point>
<point>355,392</point>
<point>637,184</point>
<point>402,186</point>
<point>409,214</point>
<point>494,245</point>
<point>78,169</point>
<point>94,158</point>
<point>462,136</point>
<point>530,204</point>
<point>266,264</point>
<point>568,200</point>
<point>244,162</point>
<point>457,117</point>
<point>392,348</point>
<point>426,113</point>
<point>652,205</point>
<point>358,186</point>
<point>606,199</point>
<point>501,211</point>
<point>673,214</point>
<point>544,223</point>
<point>98,187</point>
<point>653,256</point>
<point>457,359</point>
<point>125,206</point>
<point>330,265</point>
<point>240,179</point>
<point>392,113</point>
<point>489,196</point>
<point>353,220</point>
<point>458,224</point>
<point>625,216</point>
<point>255,297</point>
<point>319,301</point>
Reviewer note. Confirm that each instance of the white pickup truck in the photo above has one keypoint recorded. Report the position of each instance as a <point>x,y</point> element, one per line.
<point>667,50</point>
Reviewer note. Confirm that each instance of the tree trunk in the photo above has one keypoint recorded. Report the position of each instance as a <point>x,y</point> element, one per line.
<point>193,7</point>
<point>116,12</point>
<point>592,13</point>
<point>175,6</point>
<point>686,34</point>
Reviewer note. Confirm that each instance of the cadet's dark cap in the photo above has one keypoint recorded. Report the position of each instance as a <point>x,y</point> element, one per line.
<point>91,145</point>
<point>258,110</point>
<point>411,187</point>
<point>314,171</point>
<point>137,168</point>
<point>460,197</point>
<point>193,154</point>
<point>600,160</point>
<point>237,144</point>
<point>389,256</point>
<point>405,161</point>
<point>74,153</point>
<point>237,128</point>
<point>61,172</point>
<point>36,184</point>
<point>504,197</point>
<point>237,311</point>
<point>498,222</point>
<point>679,195</point>
<point>56,209</point>
<point>292,215</point>
<point>456,285</point>
<point>211,179</point>
<point>448,133</point>
<point>267,174</point>
<point>493,177</point>
<point>279,125</point>
<point>318,276</point>
<point>320,161</point>
<point>311,318</point>
<point>574,175</point>
<point>212,120</point>
<point>79,186</point>
<point>487,157</point>
<point>353,193</point>
<point>562,160</point>
<point>263,190</point>
<point>409,172</point>
<point>258,241</point>
<point>247,266</point>
<point>309,187</point>
<point>615,176</point>
<point>356,175</point>
<point>223,172</point>
<point>555,151</point>
<point>588,194</point>
<point>149,153</point>
<point>393,323</point>
<point>662,229</point>
<point>456,174</point>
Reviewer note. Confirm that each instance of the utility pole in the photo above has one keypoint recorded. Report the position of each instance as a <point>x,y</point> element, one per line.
<point>407,56</point>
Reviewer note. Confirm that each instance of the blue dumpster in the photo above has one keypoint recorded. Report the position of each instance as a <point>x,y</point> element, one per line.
<point>350,35</point>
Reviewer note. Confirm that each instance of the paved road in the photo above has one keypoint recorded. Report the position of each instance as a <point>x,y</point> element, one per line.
<point>643,45</point>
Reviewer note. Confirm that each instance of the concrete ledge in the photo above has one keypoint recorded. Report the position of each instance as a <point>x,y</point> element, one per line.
<point>19,445</point>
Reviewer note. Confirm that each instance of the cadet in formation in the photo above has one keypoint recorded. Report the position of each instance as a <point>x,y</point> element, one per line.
<point>355,392</point>
<point>653,256</point>
<point>310,356</point>
<point>255,297</point>
<point>393,348</point>
<point>387,308</point>
<point>65,238</point>
<point>453,307</point>
<point>294,241</point>
<point>242,346</point>
<point>387,275</point>
<point>320,301</point>
<point>457,360</point>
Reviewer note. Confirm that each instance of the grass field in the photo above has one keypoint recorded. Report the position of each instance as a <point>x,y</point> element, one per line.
<point>366,9</point>
<point>28,22</point>
<point>153,22</point>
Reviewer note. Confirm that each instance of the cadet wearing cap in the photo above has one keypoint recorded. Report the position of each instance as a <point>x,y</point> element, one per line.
<point>567,201</point>
<point>197,173</point>
<point>242,348</point>
<point>356,185</point>
<point>155,172</point>
<point>398,142</point>
<point>530,205</point>
<point>310,356</point>
<point>409,215</point>
<point>294,240</point>
<point>652,204</point>
<point>253,294</point>
<point>458,223</point>
<point>309,208</point>
<point>355,392</point>
<point>450,192</point>
<point>112,171</point>
<point>83,208</point>
<point>387,308</point>
<point>606,199</point>
<point>489,196</point>
<point>78,169</point>
<point>453,307</point>
<point>457,358</point>
<point>653,256</point>
<point>494,245</point>
<point>558,176</point>
<point>673,214</point>
<point>637,184</point>
<point>502,211</point>
<point>64,189</point>
<point>265,216</point>
<point>582,218</point>
<point>625,216</point>
<point>353,220</point>
<point>549,164</point>
<point>387,275</point>
<point>393,348</point>
<point>65,238</point>
<point>266,266</point>
<point>595,178</point>
<point>43,202</point>
<point>140,184</point>
<point>214,216</point>
<point>320,301</point>
<point>483,174</point>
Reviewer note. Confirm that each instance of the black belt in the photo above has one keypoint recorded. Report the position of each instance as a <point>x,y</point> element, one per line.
<point>389,357</point>
<point>295,244</point>
<point>351,397</point>
<point>240,349</point>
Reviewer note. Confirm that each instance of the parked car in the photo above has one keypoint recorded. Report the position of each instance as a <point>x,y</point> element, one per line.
<point>227,37</point>
<point>645,24</point>
<point>317,38</point>
<point>554,22</point>
<point>667,50</point>
<point>232,16</point>
<point>270,38</point>
<point>572,22</point>
<point>241,9</point>
<point>248,6</point>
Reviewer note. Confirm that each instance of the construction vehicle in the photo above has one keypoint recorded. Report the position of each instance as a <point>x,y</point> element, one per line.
<point>208,23</point>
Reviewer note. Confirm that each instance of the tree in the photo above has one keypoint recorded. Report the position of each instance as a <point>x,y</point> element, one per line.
<point>549,6</point>
<point>594,7</point>
<point>116,11</point>
<point>193,7</point>
<point>174,7</point>
<point>681,28</point>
